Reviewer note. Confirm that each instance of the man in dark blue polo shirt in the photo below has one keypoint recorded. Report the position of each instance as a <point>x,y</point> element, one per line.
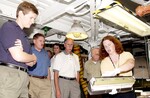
<point>15,59</point>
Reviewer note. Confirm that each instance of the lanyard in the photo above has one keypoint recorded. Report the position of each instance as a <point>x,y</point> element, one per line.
<point>117,62</point>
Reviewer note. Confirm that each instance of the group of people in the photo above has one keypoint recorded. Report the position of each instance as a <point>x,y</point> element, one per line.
<point>109,60</point>
<point>28,72</point>
<point>57,77</point>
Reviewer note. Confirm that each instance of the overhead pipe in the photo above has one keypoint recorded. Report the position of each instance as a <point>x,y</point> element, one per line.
<point>75,11</point>
<point>62,12</point>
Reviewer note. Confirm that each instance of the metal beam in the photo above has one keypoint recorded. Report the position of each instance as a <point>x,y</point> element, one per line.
<point>58,11</point>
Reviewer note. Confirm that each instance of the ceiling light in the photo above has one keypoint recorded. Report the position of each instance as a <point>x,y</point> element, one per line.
<point>68,0</point>
<point>117,14</point>
<point>77,32</point>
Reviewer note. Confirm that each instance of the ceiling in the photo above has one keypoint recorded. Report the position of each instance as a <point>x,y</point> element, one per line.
<point>58,16</point>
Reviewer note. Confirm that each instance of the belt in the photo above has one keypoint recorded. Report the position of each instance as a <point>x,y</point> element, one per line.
<point>40,77</point>
<point>67,78</point>
<point>13,66</point>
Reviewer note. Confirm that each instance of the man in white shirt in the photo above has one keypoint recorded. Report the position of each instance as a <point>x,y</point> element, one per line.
<point>66,72</point>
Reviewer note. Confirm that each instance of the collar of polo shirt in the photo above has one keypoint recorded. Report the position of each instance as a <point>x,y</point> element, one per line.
<point>67,53</point>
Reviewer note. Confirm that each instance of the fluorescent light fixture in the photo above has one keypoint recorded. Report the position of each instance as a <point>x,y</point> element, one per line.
<point>67,0</point>
<point>117,14</point>
<point>77,32</point>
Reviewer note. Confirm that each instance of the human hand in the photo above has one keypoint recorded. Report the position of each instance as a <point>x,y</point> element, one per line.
<point>18,44</point>
<point>32,62</point>
<point>58,94</point>
<point>140,11</point>
<point>48,78</point>
<point>111,73</point>
<point>114,91</point>
<point>108,74</point>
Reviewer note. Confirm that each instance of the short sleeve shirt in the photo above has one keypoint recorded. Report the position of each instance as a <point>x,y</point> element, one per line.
<point>51,69</point>
<point>67,64</point>
<point>9,32</point>
<point>43,63</point>
<point>107,65</point>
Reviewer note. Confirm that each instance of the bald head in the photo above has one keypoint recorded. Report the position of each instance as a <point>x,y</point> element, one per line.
<point>68,39</point>
<point>68,44</point>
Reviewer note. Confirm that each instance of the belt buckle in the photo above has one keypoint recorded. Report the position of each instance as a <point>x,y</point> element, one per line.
<point>20,68</point>
<point>69,78</point>
<point>23,69</point>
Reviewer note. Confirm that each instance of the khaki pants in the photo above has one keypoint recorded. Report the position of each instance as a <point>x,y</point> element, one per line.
<point>39,88</point>
<point>13,83</point>
<point>69,88</point>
